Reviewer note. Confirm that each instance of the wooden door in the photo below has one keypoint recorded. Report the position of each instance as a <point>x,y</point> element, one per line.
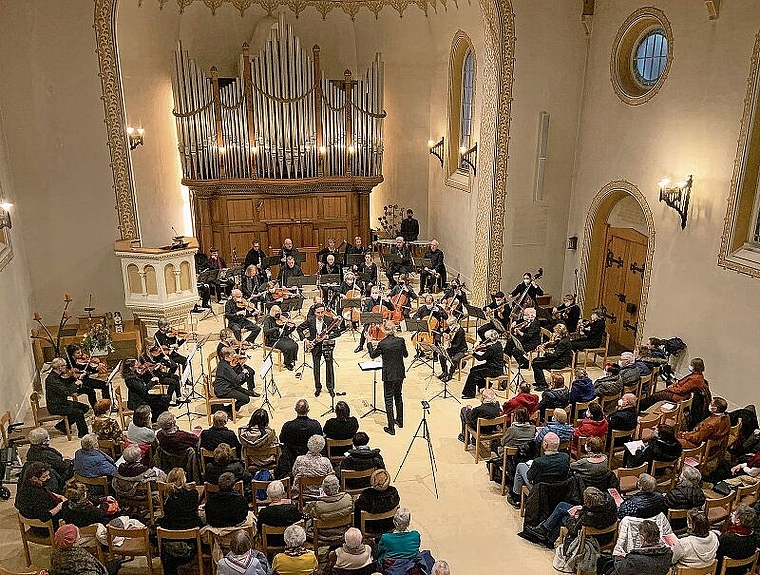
<point>622,282</point>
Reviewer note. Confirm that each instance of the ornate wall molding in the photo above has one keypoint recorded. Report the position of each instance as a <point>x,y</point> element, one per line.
<point>596,218</point>
<point>113,103</point>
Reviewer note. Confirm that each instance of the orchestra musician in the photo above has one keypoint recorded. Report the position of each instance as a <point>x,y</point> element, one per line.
<point>329,249</point>
<point>227,339</point>
<point>286,250</point>
<point>162,370</point>
<point>592,331</point>
<point>290,270</point>
<point>499,309</point>
<point>431,309</point>
<point>455,291</point>
<point>529,284</point>
<point>139,381</point>
<point>330,267</point>
<point>317,301</point>
<point>76,358</point>
<point>236,312</point>
<point>169,337</point>
<point>277,329</point>
<point>357,248</point>
<point>221,287</point>
<point>59,385</point>
<point>319,326</point>
<point>456,346</point>
<point>230,377</point>
<point>255,257</point>
<point>568,313</point>
<point>557,354</point>
<point>528,332</point>
<point>491,353</point>
<point>369,268</point>
<point>435,274</point>
<point>204,289</point>
<point>368,305</point>
<point>410,228</point>
<point>350,283</point>
<point>404,266</point>
<point>249,283</point>
<point>392,350</point>
<point>402,287</point>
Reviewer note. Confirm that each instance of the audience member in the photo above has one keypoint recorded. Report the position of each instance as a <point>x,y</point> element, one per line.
<point>280,512</point>
<point>652,556</point>
<point>334,505</point>
<point>646,503</point>
<point>360,458</point>
<point>241,558</point>
<point>105,427</point>
<point>700,547</point>
<point>258,437</point>
<point>716,426</point>
<point>663,446</point>
<point>180,512</point>
<point>524,399</point>
<point>401,543</point>
<point>687,494</point>
<point>219,433</point>
<point>488,409</point>
<point>626,416</point>
<point>68,558</point>
<point>78,509</point>
<point>296,560</point>
<point>34,500</point>
<point>551,467</point>
<point>344,425</point>
<point>738,540</point>
<point>558,426</point>
<point>593,469</point>
<point>171,438</point>
<point>630,375</point>
<point>557,396</point>
<point>313,464</point>
<point>90,462</point>
<point>380,497</point>
<point>354,557</point>
<point>682,389</point>
<point>225,462</point>
<point>139,429</point>
<point>226,507</point>
<point>131,475</point>
<point>593,424</point>
<point>441,568</point>
<point>294,436</point>
<point>522,430</point>
<point>610,383</point>
<point>61,469</point>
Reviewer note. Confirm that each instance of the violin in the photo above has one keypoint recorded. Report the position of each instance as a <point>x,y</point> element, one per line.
<point>247,305</point>
<point>551,343</point>
<point>282,293</point>
<point>238,359</point>
<point>310,343</point>
<point>145,367</point>
<point>283,320</point>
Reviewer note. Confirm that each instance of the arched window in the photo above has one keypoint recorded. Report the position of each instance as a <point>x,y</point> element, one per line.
<point>467,103</point>
<point>462,71</point>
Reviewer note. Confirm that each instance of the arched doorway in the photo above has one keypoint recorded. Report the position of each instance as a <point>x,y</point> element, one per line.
<point>618,248</point>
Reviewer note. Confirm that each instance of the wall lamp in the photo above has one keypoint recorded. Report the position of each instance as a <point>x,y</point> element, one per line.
<point>470,157</point>
<point>436,149</point>
<point>136,137</point>
<point>5,215</point>
<point>677,196</point>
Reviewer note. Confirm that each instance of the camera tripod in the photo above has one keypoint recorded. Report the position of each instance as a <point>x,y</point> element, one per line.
<point>423,431</point>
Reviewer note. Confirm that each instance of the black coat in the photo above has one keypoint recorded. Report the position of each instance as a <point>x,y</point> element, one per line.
<point>308,329</point>
<point>393,350</point>
<point>137,389</point>
<point>531,336</point>
<point>533,291</point>
<point>493,358</point>
<point>623,419</point>
<point>561,355</point>
<point>594,332</point>
<point>410,229</point>
<point>650,560</point>
<point>213,436</point>
<point>227,379</point>
<point>295,434</point>
<point>341,429</point>
<point>58,390</point>
<point>226,509</point>
<point>458,342</point>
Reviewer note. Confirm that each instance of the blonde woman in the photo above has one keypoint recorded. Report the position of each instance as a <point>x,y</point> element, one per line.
<point>558,356</point>
<point>277,329</point>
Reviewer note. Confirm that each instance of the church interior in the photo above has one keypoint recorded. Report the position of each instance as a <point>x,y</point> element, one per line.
<point>609,147</point>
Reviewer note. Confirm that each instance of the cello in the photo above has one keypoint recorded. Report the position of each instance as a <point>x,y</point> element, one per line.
<point>352,314</point>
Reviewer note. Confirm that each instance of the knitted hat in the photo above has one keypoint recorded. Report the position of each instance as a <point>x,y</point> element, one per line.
<point>66,536</point>
<point>380,480</point>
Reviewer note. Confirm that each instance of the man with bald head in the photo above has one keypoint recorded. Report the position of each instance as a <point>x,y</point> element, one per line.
<point>237,313</point>
<point>553,466</point>
<point>435,272</point>
<point>626,416</point>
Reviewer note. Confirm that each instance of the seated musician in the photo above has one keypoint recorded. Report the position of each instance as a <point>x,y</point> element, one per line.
<point>249,283</point>
<point>163,371</point>
<point>373,304</point>
<point>227,339</point>
<point>491,353</point>
<point>435,274</point>
<point>204,288</point>
<point>528,333</point>
<point>76,358</point>
<point>591,331</point>
<point>277,330</point>
<point>221,287</point>
<point>356,249</point>
<point>410,228</point>
<point>286,250</point>
<point>431,309</point>
<point>236,312</point>
<point>255,257</point>
<point>568,313</point>
<point>455,298</point>
<point>230,378</point>
<point>60,385</point>
<point>330,268</point>
<point>527,289</point>
<point>139,381</point>
<point>403,287</point>
<point>557,354</point>
<point>168,337</point>
<point>290,270</point>
<point>404,265</point>
<point>498,310</point>
<point>350,283</point>
<point>456,346</point>
<point>329,249</point>
<point>369,268</point>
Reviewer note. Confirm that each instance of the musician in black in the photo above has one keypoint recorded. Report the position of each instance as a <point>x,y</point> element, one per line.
<point>500,309</point>
<point>455,291</point>
<point>165,372</point>
<point>403,287</point>
<point>369,269</point>
<point>330,268</point>
<point>592,331</point>
<point>528,333</point>
<point>392,350</point>
<point>204,288</point>
<point>431,309</point>
<point>249,282</point>
<point>229,380</point>
<point>329,249</point>
<point>368,305</point>
<point>290,270</point>
<point>527,289</point>
<point>255,257</point>
<point>139,384</point>
<point>492,357</point>
<point>435,273</point>
<point>165,336</point>
<point>59,387</point>
<point>325,329</point>
<point>227,339</point>
<point>456,346</point>
<point>222,286</point>
<point>350,283</point>
<point>277,329</point>
<point>568,313</point>
<point>76,358</point>
<point>287,249</point>
<point>557,354</point>
<point>237,313</point>
<point>404,266</point>
<point>357,248</point>
<point>410,228</point>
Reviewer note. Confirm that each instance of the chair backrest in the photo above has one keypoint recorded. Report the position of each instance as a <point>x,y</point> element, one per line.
<point>165,490</point>
<point>209,488</point>
<point>499,422</point>
<point>182,534</point>
<point>137,535</point>
<point>121,407</point>
<point>34,401</point>
<point>5,420</point>
<point>211,362</point>
<point>366,517</point>
<point>631,471</point>
<point>733,434</point>
<point>267,531</point>
<point>101,481</point>
<point>25,524</point>
<point>348,475</point>
<point>580,407</point>
<point>649,421</point>
<point>262,486</point>
<point>304,482</point>
<point>322,524</point>
<point>744,491</point>
<point>4,571</point>
<point>249,453</point>
<point>696,453</point>
<point>664,473</point>
<point>205,454</point>
<point>749,563</point>
<point>614,445</point>
<point>110,447</point>
<point>709,570</point>
<point>674,514</point>
<point>726,502</point>
<point>336,448</point>
<point>587,531</point>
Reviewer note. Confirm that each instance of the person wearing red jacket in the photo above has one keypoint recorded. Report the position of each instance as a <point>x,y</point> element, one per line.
<point>683,388</point>
<point>524,399</point>
<point>593,425</point>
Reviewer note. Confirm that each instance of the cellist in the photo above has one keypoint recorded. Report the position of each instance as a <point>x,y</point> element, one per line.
<point>401,295</point>
<point>375,303</point>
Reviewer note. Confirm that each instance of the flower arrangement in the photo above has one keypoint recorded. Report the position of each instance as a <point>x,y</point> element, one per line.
<point>98,338</point>
<point>390,221</point>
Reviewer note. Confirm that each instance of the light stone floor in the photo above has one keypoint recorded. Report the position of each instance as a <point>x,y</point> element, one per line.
<point>469,525</point>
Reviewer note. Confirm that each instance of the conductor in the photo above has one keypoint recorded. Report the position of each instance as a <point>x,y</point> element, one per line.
<point>392,350</point>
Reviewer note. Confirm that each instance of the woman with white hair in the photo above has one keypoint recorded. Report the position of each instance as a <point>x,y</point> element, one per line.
<point>280,512</point>
<point>401,543</point>
<point>61,469</point>
<point>332,506</point>
<point>132,477</point>
<point>492,356</point>
<point>687,494</point>
<point>313,464</point>
<point>354,557</point>
<point>90,461</point>
<point>296,560</point>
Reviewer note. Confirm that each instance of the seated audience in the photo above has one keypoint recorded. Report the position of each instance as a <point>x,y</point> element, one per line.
<point>488,409</point>
<point>313,464</point>
<point>626,416</point>
<point>629,374</point>
<point>681,389</point>
<point>360,458</point>
<point>256,437</point>
<point>295,560</point>
<point>593,469</point>
<point>68,558</point>
<point>78,509</point>
<point>557,396</point>
<point>593,424</point>
<point>333,505</point>
<point>354,557</point>
<point>171,438</point>
<point>687,494</point>
<point>61,468</point>
<point>280,512</point>
<point>652,556</point>
<point>610,383</point>
<point>524,399</point>
<point>226,507</point>
<point>225,462</point>
<point>401,543</point>
<point>89,461</point>
<point>663,446</point>
<point>700,547</point>
<point>551,467</point>
<point>582,388</point>
<point>241,558</point>
<point>522,430</point>
<point>295,435</point>
<point>34,500</point>
<point>646,503</point>
<point>219,433</point>
<point>441,568</point>
<point>557,425</point>
<point>180,512</point>
<point>344,425</point>
<point>105,427</point>
<point>132,475</point>
<point>380,497</point>
<point>739,539</point>
<point>139,429</point>
<point>716,426</point>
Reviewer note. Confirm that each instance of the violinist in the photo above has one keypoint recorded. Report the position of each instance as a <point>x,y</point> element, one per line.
<point>60,383</point>
<point>491,353</point>
<point>230,378</point>
<point>528,288</point>
<point>528,333</point>
<point>591,331</point>
<point>402,288</point>
<point>227,339</point>
<point>369,268</point>
<point>499,309</point>
<point>373,304</point>
<point>557,355</point>
<point>454,339</point>
<point>222,287</point>
<point>162,370</point>
<point>236,312</point>
<point>404,265</point>
<point>568,313</point>
<point>277,329</point>
<point>76,359</point>
<point>139,381</point>
<point>436,273</point>
<point>329,249</point>
<point>290,270</point>
<point>319,326</point>
<point>169,338</point>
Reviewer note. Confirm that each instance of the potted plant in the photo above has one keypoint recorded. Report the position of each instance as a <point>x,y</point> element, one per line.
<point>98,340</point>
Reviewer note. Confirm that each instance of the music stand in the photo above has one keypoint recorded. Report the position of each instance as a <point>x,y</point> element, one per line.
<point>270,261</point>
<point>518,377</point>
<point>423,426</point>
<point>364,277</point>
<point>300,281</point>
<point>477,313</point>
<point>372,366</point>
<point>109,383</point>
<point>294,303</point>
<point>444,393</point>
<point>351,304</point>
<point>417,326</point>
<point>187,375</point>
<point>264,371</point>
<point>185,381</point>
<point>354,259</point>
<point>299,257</point>
<point>329,279</point>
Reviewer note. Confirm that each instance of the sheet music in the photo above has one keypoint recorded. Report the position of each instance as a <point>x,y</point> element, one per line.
<point>370,365</point>
<point>633,446</point>
<point>265,368</point>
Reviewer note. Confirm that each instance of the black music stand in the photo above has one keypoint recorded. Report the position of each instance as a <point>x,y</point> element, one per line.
<point>444,393</point>
<point>351,304</point>
<point>423,427</point>
<point>299,257</point>
<point>477,313</point>
<point>374,367</point>
<point>518,378</point>
<point>328,351</point>
<point>354,259</point>
<point>364,277</point>
<point>208,277</point>
<point>418,326</point>
<point>301,281</point>
<point>294,303</point>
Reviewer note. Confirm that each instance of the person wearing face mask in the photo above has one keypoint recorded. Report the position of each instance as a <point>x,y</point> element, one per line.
<point>530,285</point>
<point>626,416</point>
<point>591,331</point>
<point>373,301</point>
<point>629,374</point>
<point>410,227</point>
<point>594,424</point>
<point>683,388</point>
<point>663,446</point>
<point>716,426</point>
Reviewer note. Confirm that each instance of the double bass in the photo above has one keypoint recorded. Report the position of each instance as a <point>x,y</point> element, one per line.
<point>519,303</point>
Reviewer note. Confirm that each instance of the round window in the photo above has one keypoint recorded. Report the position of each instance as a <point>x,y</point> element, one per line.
<point>651,57</point>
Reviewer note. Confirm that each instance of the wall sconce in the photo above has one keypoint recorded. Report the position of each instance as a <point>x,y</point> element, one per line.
<point>136,137</point>
<point>572,243</point>
<point>677,197</point>
<point>436,149</point>
<point>470,157</point>
<point>5,215</point>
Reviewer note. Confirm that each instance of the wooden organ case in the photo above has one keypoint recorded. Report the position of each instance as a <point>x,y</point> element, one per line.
<point>278,151</point>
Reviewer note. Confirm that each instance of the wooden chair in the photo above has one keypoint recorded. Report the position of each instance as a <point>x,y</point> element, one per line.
<point>322,524</point>
<point>674,514</point>
<point>305,481</point>
<point>580,407</point>
<point>275,353</point>
<point>645,381</point>
<point>675,417</point>
<point>696,453</point>
<point>110,448</point>
<point>336,449</point>
<point>164,491</point>
<point>501,428</point>
<point>747,495</point>
<point>569,370</point>
<point>90,542</point>
<point>29,536</point>
<point>629,476</point>
<point>209,488</point>
<point>587,531</point>
<point>523,498</point>
<point>665,473</point>
<point>4,571</point>
<point>733,435</point>
<point>714,453</point>
<point>213,401</point>
<point>609,402</point>
<point>597,351</point>
<point>646,426</point>
<point>121,407</point>
<point>250,453</point>
<point>709,570</point>
<point>580,448</point>
<point>211,362</point>
<point>719,510</point>
<point>500,383</point>
<point>182,534</point>
<point>42,415</point>
<point>749,563</point>
<point>347,475</point>
<point>100,482</point>
<point>270,549</point>
<point>205,456</point>
<point>256,485</point>
<point>508,451</point>
<point>616,446</point>
<point>366,518</point>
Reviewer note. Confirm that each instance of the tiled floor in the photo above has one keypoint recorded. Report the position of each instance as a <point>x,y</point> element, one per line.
<point>469,524</point>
